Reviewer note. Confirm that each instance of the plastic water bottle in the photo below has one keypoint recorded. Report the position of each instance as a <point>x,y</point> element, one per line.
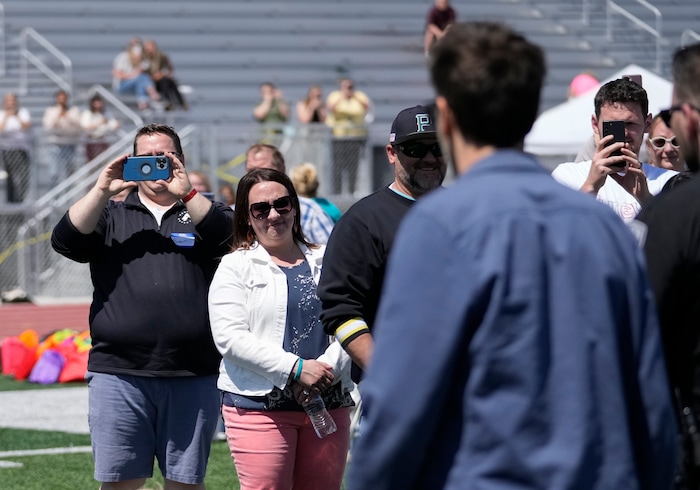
<point>322,421</point>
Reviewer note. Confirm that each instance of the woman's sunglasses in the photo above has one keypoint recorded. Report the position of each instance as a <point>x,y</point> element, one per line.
<point>419,150</point>
<point>261,210</point>
<point>659,142</point>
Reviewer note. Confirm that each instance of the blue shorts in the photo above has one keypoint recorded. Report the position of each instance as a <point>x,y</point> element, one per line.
<point>134,418</point>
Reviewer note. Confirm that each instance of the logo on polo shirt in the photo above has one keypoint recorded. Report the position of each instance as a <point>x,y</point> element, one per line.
<point>184,217</point>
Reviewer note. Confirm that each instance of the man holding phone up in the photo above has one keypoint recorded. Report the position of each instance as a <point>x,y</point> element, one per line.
<point>153,366</point>
<point>615,176</point>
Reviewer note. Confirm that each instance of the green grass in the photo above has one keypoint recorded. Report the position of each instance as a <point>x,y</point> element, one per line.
<point>74,471</point>
<point>8,383</point>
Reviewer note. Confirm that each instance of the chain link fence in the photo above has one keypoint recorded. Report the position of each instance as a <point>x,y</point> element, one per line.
<point>32,200</point>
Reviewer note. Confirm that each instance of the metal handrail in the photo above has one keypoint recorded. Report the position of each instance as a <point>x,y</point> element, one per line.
<point>26,56</point>
<point>3,58</point>
<point>86,175</point>
<point>687,35</point>
<point>585,12</point>
<point>612,7</point>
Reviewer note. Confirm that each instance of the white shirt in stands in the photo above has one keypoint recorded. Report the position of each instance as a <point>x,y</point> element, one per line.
<point>574,174</point>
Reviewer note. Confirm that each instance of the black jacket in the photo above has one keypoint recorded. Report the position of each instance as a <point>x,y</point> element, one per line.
<point>149,312</point>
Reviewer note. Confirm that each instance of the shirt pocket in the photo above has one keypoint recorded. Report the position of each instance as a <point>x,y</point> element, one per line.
<point>258,297</point>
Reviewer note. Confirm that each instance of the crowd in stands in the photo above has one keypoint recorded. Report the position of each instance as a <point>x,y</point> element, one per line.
<point>143,70</point>
<point>65,125</point>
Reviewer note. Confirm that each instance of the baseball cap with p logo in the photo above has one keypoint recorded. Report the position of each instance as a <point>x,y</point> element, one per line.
<point>412,123</point>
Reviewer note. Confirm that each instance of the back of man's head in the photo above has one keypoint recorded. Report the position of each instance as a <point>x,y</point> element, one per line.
<point>262,155</point>
<point>491,78</point>
<point>622,90</point>
<point>686,74</point>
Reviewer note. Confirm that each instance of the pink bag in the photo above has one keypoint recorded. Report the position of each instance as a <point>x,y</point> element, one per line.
<point>17,359</point>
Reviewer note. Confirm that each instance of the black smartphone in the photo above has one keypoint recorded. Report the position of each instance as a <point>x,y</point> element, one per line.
<point>147,168</point>
<point>634,78</point>
<point>617,129</point>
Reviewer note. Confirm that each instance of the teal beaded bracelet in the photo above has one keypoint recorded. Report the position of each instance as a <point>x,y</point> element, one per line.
<point>297,375</point>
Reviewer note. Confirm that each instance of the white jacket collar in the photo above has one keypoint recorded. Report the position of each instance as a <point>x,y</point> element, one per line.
<point>314,256</point>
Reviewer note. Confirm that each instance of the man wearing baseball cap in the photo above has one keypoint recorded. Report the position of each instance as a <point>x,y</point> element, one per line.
<point>357,251</point>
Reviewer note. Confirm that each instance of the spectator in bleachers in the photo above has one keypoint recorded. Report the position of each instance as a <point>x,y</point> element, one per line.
<point>98,124</point>
<point>440,17</point>
<point>62,124</point>
<point>131,76</point>
<point>312,109</point>
<point>272,108</point>
<point>312,133</point>
<point>15,122</point>
<point>161,71</point>
<point>272,112</point>
<point>347,113</point>
<point>305,180</point>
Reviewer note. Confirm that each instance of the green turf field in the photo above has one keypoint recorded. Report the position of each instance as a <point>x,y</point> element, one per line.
<point>66,471</point>
<point>8,383</point>
<point>74,471</point>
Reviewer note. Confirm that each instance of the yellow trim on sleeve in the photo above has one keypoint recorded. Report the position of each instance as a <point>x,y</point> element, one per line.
<point>350,328</point>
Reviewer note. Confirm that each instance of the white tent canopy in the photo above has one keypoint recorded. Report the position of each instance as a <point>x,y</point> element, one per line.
<point>563,129</point>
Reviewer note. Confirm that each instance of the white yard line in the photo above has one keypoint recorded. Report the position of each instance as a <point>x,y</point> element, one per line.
<point>60,409</point>
<point>44,452</point>
<point>38,452</point>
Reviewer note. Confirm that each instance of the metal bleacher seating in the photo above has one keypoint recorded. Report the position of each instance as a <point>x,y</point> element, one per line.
<point>224,49</point>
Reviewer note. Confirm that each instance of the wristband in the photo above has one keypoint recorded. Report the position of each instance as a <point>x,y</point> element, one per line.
<point>189,196</point>
<point>297,375</point>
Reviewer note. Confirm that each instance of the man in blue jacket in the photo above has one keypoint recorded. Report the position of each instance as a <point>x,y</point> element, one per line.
<point>153,366</point>
<point>517,345</point>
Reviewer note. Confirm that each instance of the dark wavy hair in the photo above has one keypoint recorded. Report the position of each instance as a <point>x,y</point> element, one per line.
<point>686,73</point>
<point>622,90</point>
<point>491,78</point>
<point>243,234</point>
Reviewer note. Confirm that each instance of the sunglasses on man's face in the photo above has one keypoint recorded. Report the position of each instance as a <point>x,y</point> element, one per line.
<point>261,210</point>
<point>659,142</point>
<point>666,114</point>
<point>419,150</point>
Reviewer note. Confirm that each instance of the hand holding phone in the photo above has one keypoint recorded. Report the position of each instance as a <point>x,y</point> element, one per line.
<point>617,129</point>
<point>147,168</point>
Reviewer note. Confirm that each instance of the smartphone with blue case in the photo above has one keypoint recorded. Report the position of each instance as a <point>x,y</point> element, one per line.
<point>155,167</point>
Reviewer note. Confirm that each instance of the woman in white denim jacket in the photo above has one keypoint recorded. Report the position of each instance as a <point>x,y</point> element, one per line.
<point>264,319</point>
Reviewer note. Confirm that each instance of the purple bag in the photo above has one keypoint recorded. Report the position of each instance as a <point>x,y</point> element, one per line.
<point>48,368</point>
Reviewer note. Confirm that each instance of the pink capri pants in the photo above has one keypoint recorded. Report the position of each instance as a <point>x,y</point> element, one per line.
<point>280,450</point>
